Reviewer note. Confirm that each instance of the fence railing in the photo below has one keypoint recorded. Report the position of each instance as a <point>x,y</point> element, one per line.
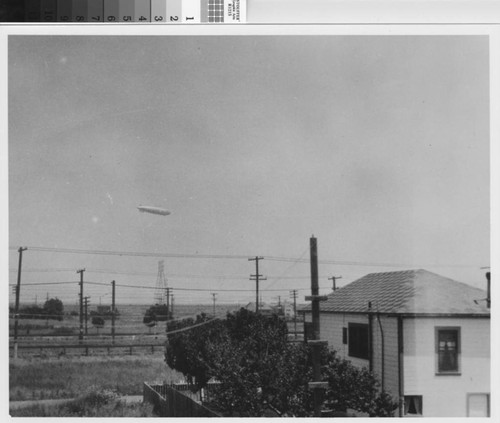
<point>61,349</point>
<point>171,402</point>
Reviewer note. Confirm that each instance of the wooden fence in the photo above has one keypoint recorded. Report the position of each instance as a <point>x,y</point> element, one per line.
<point>171,402</point>
<point>62,349</point>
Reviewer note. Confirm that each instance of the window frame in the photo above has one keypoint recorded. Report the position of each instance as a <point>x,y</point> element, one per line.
<point>354,340</point>
<point>437,331</point>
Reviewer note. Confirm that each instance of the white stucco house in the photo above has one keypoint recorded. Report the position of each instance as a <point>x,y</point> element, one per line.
<point>426,337</point>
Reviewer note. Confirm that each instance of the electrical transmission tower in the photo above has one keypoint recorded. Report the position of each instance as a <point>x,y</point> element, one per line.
<point>161,285</point>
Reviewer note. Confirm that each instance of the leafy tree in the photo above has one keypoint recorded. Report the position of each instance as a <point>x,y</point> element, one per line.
<point>157,312</point>
<point>355,388</point>
<point>259,370</point>
<point>254,381</point>
<point>187,351</point>
<point>54,309</point>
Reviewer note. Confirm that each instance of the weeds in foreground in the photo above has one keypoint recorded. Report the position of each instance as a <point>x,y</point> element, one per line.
<point>97,402</point>
<point>67,378</point>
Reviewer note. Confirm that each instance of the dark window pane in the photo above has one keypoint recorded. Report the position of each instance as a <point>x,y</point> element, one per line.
<point>358,341</point>
<point>448,350</point>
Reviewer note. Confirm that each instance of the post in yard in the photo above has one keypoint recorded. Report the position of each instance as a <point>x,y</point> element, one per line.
<point>80,335</point>
<point>317,385</point>
<point>257,277</point>
<point>18,291</point>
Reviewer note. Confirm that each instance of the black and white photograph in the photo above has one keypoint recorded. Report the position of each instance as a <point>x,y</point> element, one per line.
<point>260,221</point>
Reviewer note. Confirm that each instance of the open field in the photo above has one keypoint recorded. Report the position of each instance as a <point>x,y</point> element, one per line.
<point>37,379</point>
<point>129,322</point>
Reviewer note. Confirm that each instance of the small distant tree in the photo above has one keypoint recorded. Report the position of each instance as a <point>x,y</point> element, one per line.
<point>98,322</point>
<point>53,309</point>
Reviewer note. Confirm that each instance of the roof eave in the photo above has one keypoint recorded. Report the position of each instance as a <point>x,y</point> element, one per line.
<point>405,314</point>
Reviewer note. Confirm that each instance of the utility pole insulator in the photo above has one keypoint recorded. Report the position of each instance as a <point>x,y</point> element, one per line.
<point>334,281</point>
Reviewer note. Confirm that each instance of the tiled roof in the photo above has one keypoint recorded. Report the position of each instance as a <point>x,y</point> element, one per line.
<point>406,292</point>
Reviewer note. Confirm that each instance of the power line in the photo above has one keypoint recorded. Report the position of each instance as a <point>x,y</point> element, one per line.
<point>239,257</point>
<point>172,288</point>
<point>168,275</point>
<point>133,253</point>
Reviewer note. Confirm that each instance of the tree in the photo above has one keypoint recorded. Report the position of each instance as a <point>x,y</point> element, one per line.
<point>53,309</point>
<point>355,388</point>
<point>261,372</point>
<point>98,322</point>
<point>187,351</point>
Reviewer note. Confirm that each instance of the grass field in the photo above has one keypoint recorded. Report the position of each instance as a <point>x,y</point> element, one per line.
<point>99,403</point>
<point>34,379</point>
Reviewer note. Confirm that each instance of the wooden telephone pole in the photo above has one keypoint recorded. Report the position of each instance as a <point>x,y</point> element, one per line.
<point>18,292</point>
<point>80,335</point>
<point>316,344</point>
<point>257,277</point>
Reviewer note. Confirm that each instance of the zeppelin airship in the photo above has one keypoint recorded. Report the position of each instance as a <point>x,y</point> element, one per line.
<point>154,210</point>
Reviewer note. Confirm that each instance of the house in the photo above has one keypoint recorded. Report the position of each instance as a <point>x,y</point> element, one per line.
<point>426,337</point>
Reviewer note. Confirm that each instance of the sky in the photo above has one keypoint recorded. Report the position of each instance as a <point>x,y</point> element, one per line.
<point>376,145</point>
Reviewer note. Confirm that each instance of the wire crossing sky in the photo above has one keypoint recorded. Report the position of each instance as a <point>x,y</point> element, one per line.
<point>377,145</point>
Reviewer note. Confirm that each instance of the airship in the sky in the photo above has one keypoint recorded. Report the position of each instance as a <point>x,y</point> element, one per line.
<point>154,210</point>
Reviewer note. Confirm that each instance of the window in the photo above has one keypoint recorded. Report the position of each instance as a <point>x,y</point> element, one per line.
<point>448,350</point>
<point>478,405</point>
<point>344,336</point>
<point>413,406</point>
<point>358,341</point>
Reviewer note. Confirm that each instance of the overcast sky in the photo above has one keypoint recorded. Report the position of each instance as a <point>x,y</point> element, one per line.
<point>377,145</point>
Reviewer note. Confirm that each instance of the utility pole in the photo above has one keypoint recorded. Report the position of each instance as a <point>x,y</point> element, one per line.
<point>113,311</point>
<point>168,303</point>
<point>294,296</point>
<point>18,292</point>
<point>172,305</point>
<point>316,343</point>
<point>257,277</point>
<point>80,335</point>
<point>86,299</point>
<point>214,295</point>
<point>334,280</point>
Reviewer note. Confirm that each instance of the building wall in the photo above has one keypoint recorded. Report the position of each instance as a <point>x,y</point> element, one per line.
<point>331,330</point>
<point>446,395</point>
<point>390,340</point>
